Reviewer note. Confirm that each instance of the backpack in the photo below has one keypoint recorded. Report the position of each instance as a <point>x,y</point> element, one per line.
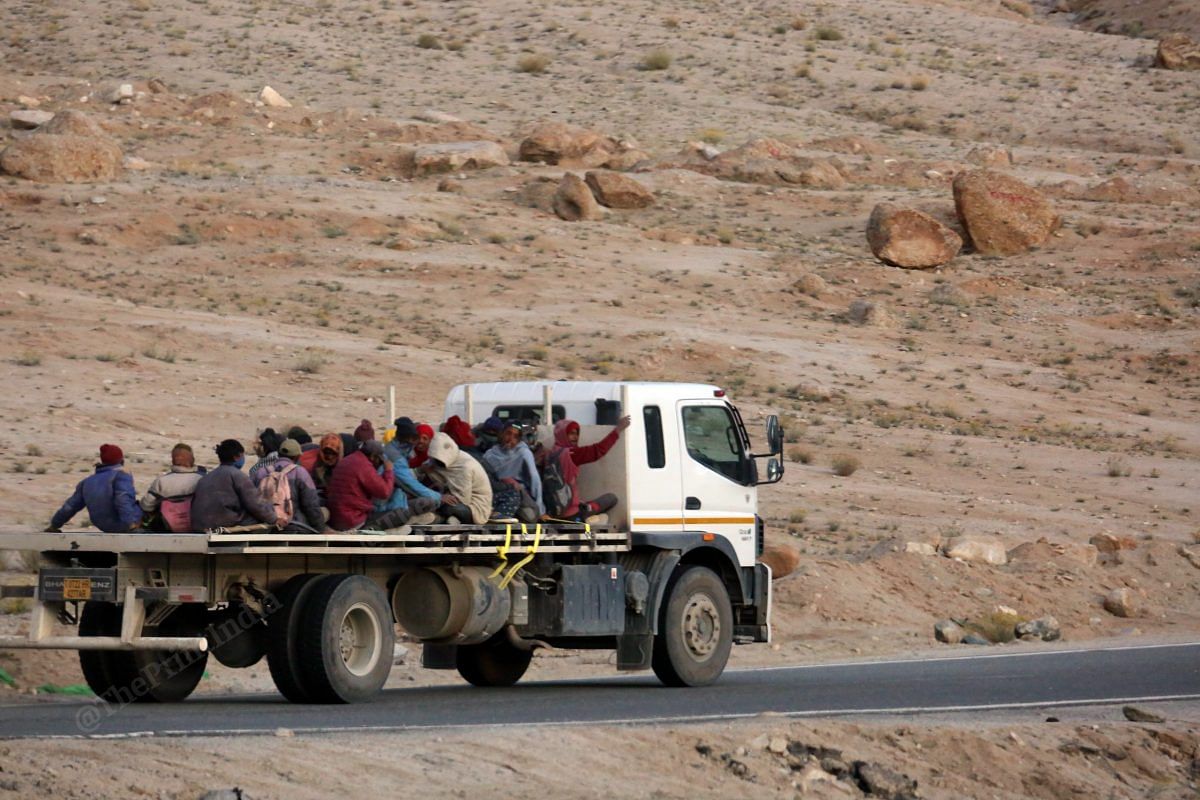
<point>556,493</point>
<point>177,513</point>
<point>276,489</point>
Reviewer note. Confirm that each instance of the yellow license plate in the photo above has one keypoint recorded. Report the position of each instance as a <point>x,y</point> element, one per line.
<point>77,588</point>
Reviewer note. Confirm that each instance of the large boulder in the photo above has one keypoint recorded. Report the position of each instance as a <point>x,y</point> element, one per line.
<point>272,98</point>
<point>62,158</point>
<point>782,559</point>
<point>1178,51</point>
<point>573,200</point>
<point>429,159</point>
<point>1121,602</point>
<point>74,123</point>
<point>1002,215</point>
<point>557,143</point>
<point>615,190</point>
<point>772,161</point>
<point>905,237</point>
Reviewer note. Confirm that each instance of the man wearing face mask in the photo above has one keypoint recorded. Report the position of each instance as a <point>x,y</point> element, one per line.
<point>226,497</point>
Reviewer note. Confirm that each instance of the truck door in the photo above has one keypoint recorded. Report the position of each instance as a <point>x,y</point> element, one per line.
<point>719,494</point>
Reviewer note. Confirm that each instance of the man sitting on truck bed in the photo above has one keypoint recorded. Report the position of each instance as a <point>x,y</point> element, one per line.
<point>107,494</point>
<point>398,451</point>
<point>356,485</point>
<point>307,515</point>
<point>226,497</point>
<point>166,505</point>
<point>467,490</point>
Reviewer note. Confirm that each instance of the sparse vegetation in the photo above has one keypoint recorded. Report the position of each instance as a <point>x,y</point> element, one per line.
<point>533,63</point>
<point>844,465</point>
<point>826,33</point>
<point>27,359</point>
<point>656,60</point>
<point>427,41</point>
<point>1117,467</point>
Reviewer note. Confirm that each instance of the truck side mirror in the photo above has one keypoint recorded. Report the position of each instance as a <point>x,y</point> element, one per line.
<point>774,436</point>
<point>774,470</point>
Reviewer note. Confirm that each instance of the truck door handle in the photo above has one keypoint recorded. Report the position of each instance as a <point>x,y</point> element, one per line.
<point>692,504</point>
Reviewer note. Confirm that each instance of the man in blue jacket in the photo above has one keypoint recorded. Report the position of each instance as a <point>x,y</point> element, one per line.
<point>107,494</point>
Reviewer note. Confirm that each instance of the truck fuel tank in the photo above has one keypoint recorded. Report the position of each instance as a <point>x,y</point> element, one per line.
<point>451,605</point>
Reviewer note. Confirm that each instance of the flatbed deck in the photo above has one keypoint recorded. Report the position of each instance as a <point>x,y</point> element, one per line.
<point>415,540</point>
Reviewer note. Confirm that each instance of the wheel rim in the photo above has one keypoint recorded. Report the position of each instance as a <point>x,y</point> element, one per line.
<point>360,639</point>
<point>701,627</point>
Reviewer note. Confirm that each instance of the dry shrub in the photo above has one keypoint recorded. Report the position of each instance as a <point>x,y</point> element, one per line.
<point>533,63</point>
<point>845,465</point>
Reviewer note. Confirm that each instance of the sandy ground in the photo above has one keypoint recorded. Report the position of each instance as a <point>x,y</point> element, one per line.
<point>273,266</point>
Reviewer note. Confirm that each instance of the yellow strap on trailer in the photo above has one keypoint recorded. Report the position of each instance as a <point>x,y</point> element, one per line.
<point>537,539</point>
<point>502,550</point>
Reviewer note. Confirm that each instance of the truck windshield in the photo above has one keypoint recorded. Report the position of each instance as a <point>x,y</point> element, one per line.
<point>713,439</point>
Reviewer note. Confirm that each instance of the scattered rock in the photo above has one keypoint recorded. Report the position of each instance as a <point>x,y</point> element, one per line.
<point>991,157</point>
<point>1135,714</point>
<point>272,98</point>
<point>431,159</point>
<point>920,548</point>
<point>63,158</point>
<point>766,161</point>
<point>975,638</point>
<point>615,190</point>
<point>811,285</point>
<point>225,794</point>
<point>782,559</point>
<point>74,123</point>
<point>432,115</point>
<point>28,102</point>
<point>869,312</point>
<point>1121,602</point>
<point>1107,543</point>
<point>1178,51</point>
<point>1046,629</point>
<point>977,551</point>
<point>122,93</point>
<point>1192,556</point>
<point>1002,215</point>
<point>136,164</point>
<point>538,193</point>
<point>13,561</point>
<point>557,142</point>
<point>399,653</point>
<point>157,86</point>
<point>948,631</point>
<point>905,237</point>
<point>450,185</point>
<point>947,294</point>
<point>573,200</point>
<point>1043,551</point>
<point>778,745</point>
<point>28,119</point>
<point>879,781</point>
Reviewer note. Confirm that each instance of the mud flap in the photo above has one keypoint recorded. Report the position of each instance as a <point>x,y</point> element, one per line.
<point>634,651</point>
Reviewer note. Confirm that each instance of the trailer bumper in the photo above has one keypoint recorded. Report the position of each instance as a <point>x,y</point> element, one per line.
<point>188,643</point>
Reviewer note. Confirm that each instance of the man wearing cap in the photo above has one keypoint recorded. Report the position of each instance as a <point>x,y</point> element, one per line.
<point>305,500</point>
<point>107,494</point>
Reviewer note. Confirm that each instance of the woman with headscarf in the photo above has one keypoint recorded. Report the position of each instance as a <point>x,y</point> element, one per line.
<point>327,457</point>
<point>569,456</point>
<point>511,461</point>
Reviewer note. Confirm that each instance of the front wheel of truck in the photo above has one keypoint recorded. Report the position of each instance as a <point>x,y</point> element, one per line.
<point>695,631</point>
<point>495,662</point>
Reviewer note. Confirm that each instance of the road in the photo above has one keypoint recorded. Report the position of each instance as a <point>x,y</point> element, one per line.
<point>974,683</point>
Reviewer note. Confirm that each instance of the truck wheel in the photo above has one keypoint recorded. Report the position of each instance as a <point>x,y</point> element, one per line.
<point>283,636</point>
<point>169,676</point>
<point>346,641</point>
<point>237,637</point>
<point>492,663</point>
<point>102,669</point>
<point>695,631</point>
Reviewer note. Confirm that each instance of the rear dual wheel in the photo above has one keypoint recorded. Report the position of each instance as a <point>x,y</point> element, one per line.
<point>141,676</point>
<point>330,639</point>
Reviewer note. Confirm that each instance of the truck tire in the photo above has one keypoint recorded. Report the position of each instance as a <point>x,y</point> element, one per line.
<point>140,676</point>
<point>346,640</point>
<point>101,670</point>
<point>237,637</point>
<point>170,676</point>
<point>695,630</point>
<point>283,636</point>
<point>492,663</point>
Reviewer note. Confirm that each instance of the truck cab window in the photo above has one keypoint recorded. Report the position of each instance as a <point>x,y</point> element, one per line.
<point>712,438</point>
<point>656,453</point>
<point>528,414</point>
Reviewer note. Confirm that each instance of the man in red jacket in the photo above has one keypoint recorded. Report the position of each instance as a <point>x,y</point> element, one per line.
<point>355,484</point>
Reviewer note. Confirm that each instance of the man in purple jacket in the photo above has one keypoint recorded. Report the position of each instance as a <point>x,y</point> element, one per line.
<point>107,494</point>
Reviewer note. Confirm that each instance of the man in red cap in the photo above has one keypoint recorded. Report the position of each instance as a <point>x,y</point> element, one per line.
<point>107,494</point>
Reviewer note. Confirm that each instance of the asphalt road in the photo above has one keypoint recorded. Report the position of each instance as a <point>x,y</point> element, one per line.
<point>974,683</point>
